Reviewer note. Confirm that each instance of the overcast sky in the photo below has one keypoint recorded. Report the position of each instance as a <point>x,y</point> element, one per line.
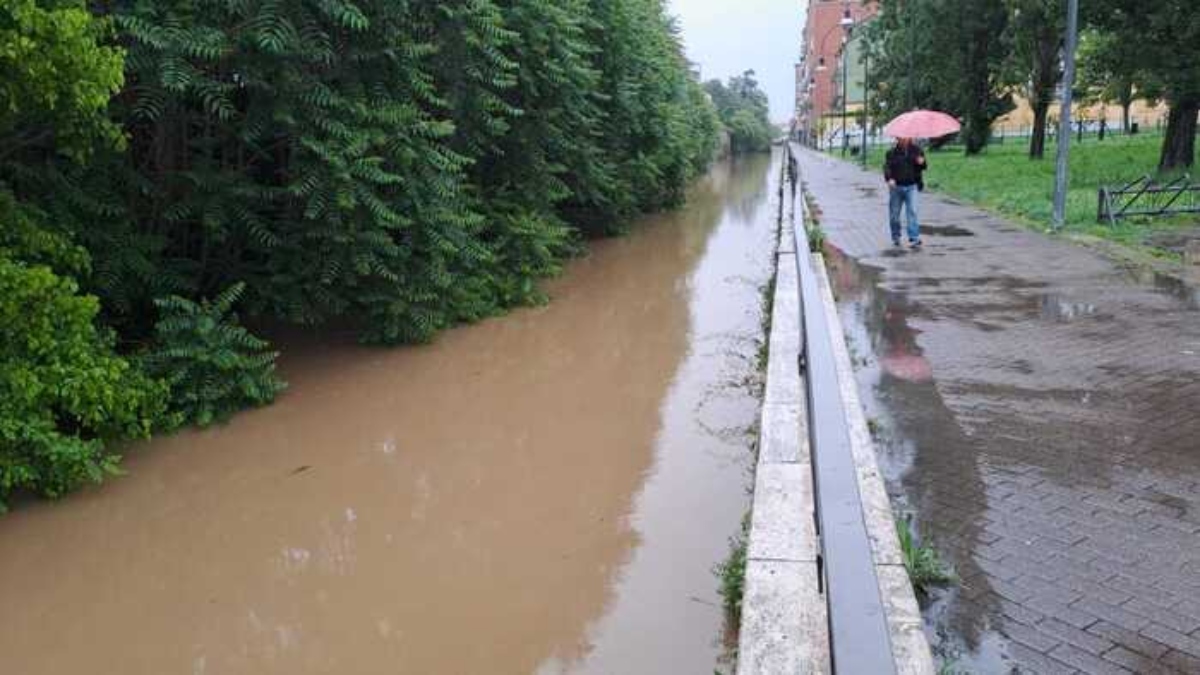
<point>728,36</point>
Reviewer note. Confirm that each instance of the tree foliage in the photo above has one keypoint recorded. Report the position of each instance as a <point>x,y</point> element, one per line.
<point>56,75</point>
<point>399,165</point>
<point>1155,46</point>
<point>743,109</point>
<point>947,55</point>
<point>212,365</point>
<point>64,393</point>
<point>1037,29</point>
<point>965,57</point>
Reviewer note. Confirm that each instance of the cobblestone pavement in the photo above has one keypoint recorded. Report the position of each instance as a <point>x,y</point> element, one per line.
<point>1038,412</point>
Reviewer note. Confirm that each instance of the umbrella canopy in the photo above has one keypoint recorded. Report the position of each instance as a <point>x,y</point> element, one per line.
<point>922,124</point>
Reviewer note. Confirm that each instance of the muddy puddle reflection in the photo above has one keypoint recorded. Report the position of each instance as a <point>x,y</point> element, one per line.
<point>545,492</point>
<point>913,428</point>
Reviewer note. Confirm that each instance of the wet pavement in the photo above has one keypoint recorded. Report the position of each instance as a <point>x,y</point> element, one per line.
<point>1037,410</point>
<point>545,492</point>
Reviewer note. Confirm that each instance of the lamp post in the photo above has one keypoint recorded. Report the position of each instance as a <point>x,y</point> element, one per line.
<point>866,109</point>
<point>1064,119</point>
<point>847,24</point>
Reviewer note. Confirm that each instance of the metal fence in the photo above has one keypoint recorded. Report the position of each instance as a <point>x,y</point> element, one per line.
<point>1145,197</point>
<point>859,638</point>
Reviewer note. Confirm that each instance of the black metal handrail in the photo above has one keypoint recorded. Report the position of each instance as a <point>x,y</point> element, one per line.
<point>860,642</point>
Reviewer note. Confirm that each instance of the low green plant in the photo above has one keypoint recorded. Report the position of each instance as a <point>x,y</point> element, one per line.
<point>950,667</point>
<point>766,302</point>
<point>816,238</point>
<point>213,365</point>
<point>875,427</point>
<point>65,394</point>
<point>732,572</point>
<point>924,566</point>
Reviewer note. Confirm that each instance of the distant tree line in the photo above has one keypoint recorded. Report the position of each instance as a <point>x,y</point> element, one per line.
<point>743,109</point>
<point>967,57</point>
<point>399,165</point>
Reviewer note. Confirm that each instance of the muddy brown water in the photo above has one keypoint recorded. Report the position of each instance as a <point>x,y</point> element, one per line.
<point>545,492</point>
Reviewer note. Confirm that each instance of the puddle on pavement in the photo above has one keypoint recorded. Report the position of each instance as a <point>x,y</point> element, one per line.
<point>915,429</point>
<point>540,492</point>
<point>1059,308</point>
<point>1188,294</point>
<point>946,231</point>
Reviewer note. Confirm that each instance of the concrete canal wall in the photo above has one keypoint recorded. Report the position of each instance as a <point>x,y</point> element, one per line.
<point>786,625</point>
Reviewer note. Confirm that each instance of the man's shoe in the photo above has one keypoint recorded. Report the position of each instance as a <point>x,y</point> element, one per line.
<point>896,242</point>
<point>915,243</point>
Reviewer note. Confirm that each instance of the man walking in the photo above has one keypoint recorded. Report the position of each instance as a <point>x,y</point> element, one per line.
<point>902,170</point>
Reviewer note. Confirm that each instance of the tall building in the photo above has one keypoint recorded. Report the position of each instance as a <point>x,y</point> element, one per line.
<point>828,36</point>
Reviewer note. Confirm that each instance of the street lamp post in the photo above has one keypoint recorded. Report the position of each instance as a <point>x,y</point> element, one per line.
<point>866,111</point>
<point>847,23</point>
<point>1064,120</point>
<point>845,79</point>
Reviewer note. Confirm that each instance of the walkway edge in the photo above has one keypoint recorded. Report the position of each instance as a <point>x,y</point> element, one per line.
<point>785,621</point>
<point>909,645</point>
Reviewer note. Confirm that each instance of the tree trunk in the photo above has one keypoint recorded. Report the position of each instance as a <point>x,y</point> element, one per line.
<point>1037,140</point>
<point>1179,143</point>
<point>1045,76</point>
<point>1126,103</point>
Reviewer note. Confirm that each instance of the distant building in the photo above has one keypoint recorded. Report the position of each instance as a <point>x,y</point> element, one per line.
<point>1020,120</point>
<point>828,27</point>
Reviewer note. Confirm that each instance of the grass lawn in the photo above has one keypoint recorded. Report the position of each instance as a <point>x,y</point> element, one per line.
<point>1005,180</point>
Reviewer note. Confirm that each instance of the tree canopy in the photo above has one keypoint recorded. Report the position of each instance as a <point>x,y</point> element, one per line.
<point>967,57</point>
<point>396,165</point>
<point>743,109</point>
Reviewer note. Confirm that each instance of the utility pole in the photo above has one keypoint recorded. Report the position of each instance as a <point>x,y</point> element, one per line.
<point>862,151</point>
<point>1061,175</point>
<point>845,77</point>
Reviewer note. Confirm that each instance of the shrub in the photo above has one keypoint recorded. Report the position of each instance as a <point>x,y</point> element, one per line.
<point>64,393</point>
<point>213,365</point>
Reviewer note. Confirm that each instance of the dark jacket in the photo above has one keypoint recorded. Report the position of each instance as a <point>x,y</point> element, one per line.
<point>901,165</point>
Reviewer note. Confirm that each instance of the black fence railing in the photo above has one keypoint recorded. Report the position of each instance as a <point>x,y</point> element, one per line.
<point>1146,197</point>
<point>860,643</point>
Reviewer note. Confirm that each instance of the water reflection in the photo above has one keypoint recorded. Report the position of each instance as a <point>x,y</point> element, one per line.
<point>929,463</point>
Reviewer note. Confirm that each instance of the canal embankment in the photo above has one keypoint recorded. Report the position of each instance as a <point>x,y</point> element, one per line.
<point>798,614</point>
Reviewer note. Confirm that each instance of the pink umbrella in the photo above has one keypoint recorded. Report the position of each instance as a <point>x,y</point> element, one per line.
<point>922,124</point>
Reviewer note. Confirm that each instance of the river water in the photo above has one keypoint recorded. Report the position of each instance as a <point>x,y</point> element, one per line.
<point>545,492</point>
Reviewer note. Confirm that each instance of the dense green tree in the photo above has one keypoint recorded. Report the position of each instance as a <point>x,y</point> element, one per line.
<point>56,75</point>
<point>945,55</point>
<point>1109,72</point>
<point>397,164</point>
<point>1037,29</point>
<point>65,393</point>
<point>743,110</point>
<point>1160,42</point>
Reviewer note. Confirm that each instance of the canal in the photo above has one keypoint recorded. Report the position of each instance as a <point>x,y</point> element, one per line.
<point>545,492</point>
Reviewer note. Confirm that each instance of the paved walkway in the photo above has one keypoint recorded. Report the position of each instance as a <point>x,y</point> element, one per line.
<point>1039,412</point>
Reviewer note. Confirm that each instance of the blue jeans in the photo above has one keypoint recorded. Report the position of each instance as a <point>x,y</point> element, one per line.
<point>904,195</point>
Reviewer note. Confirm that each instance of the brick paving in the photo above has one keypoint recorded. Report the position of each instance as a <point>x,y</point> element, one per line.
<point>1053,455</point>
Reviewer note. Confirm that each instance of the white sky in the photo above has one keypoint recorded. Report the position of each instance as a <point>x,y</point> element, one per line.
<point>728,36</point>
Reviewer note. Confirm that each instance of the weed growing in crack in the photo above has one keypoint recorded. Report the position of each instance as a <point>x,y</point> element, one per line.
<point>924,566</point>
